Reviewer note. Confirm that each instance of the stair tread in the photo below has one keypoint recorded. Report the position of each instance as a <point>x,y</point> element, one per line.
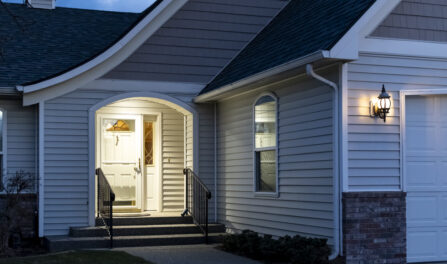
<point>150,217</point>
<point>117,238</point>
<point>142,226</point>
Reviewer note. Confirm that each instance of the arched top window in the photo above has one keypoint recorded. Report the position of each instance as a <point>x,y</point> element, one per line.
<point>265,144</point>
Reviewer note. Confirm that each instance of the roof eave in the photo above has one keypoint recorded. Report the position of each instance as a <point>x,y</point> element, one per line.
<point>110,52</point>
<point>219,92</point>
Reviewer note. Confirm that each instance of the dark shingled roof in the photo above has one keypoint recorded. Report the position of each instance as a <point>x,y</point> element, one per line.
<point>49,42</point>
<point>301,28</point>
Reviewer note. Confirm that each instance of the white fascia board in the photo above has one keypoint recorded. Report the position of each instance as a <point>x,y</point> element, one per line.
<point>401,47</point>
<point>347,47</point>
<point>112,56</point>
<point>213,95</point>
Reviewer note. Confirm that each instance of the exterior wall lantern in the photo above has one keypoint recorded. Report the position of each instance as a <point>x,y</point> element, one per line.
<point>381,106</point>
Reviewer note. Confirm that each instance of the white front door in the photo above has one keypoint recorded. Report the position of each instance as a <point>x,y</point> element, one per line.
<point>426,177</point>
<point>120,157</point>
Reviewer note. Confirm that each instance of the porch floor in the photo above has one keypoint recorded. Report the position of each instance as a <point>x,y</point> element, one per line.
<point>147,214</point>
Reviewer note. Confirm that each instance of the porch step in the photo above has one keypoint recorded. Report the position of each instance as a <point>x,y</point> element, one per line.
<point>159,220</point>
<point>142,230</point>
<point>63,243</point>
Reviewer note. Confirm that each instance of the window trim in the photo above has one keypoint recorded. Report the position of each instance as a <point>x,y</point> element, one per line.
<point>254,149</point>
<point>3,151</point>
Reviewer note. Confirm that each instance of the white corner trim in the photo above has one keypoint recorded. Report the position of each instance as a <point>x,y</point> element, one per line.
<point>109,59</point>
<point>343,145</point>
<point>4,150</point>
<point>402,47</point>
<point>402,97</point>
<point>344,127</point>
<point>41,168</point>
<point>348,46</point>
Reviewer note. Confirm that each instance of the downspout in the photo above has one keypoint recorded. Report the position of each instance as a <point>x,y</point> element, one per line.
<point>215,162</point>
<point>336,179</point>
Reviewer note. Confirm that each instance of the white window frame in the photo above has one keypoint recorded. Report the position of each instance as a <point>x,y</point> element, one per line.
<point>3,151</point>
<point>255,190</point>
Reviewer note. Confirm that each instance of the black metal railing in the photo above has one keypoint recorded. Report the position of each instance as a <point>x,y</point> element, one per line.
<point>197,196</point>
<point>106,197</point>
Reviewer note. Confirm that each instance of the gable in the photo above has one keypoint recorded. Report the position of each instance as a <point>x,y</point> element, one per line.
<point>198,41</point>
<point>302,28</point>
<point>424,20</point>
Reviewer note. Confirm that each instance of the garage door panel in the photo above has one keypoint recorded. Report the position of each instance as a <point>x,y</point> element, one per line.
<point>425,138</point>
<point>428,238</point>
<point>418,168</point>
<point>421,107</point>
<point>443,209</point>
<point>426,178</point>
<point>422,210</point>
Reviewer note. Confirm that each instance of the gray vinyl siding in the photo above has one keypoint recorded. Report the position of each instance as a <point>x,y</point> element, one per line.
<point>198,41</point>
<point>417,20</point>
<point>21,138</point>
<point>206,152</point>
<point>66,155</point>
<point>305,203</point>
<point>172,152</point>
<point>374,146</point>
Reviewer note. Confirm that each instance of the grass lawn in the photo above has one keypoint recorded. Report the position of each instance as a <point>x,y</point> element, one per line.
<point>79,257</point>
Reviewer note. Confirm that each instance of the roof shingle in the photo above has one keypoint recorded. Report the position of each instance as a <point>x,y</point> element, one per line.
<point>301,28</point>
<point>49,42</point>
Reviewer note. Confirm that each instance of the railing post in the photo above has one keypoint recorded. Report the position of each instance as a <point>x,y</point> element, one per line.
<point>112,199</point>
<point>99,188</point>
<point>186,174</point>
<point>206,218</point>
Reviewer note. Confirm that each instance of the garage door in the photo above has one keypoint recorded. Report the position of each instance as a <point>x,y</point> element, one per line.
<point>426,178</point>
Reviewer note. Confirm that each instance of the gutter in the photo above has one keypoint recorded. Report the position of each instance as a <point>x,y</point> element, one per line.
<point>336,165</point>
<point>310,58</point>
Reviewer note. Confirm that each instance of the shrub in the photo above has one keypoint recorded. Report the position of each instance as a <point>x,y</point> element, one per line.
<point>295,250</point>
<point>13,211</point>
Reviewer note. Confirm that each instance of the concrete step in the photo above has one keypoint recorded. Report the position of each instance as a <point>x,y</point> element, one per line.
<point>63,243</point>
<point>141,230</point>
<point>156,220</point>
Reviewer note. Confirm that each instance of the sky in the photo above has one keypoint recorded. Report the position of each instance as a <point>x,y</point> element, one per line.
<point>109,5</point>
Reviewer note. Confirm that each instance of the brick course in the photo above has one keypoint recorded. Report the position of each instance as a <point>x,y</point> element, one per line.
<point>374,227</point>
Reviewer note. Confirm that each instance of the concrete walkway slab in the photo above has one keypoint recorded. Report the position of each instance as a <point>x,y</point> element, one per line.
<point>190,254</point>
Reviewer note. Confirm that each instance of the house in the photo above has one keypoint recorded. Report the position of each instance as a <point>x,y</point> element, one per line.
<point>272,103</point>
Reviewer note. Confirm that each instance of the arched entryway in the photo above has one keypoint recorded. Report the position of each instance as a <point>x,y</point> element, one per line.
<point>142,142</point>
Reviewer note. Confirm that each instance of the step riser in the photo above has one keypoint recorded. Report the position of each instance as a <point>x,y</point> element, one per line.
<point>105,243</point>
<point>148,221</point>
<point>145,231</point>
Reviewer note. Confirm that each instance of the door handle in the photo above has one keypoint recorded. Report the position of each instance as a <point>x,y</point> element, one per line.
<point>138,169</point>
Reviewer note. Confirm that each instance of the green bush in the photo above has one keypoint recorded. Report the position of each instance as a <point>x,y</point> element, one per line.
<point>295,250</point>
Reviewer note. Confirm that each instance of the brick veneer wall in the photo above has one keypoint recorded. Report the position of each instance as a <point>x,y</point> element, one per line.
<point>374,227</point>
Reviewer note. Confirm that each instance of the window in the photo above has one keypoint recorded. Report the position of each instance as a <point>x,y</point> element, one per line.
<point>265,144</point>
<point>149,143</point>
<point>2,148</point>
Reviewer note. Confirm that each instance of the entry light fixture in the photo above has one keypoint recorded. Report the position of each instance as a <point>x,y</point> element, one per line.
<point>381,106</point>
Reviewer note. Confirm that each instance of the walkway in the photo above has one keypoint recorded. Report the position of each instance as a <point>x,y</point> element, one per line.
<point>191,254</point>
